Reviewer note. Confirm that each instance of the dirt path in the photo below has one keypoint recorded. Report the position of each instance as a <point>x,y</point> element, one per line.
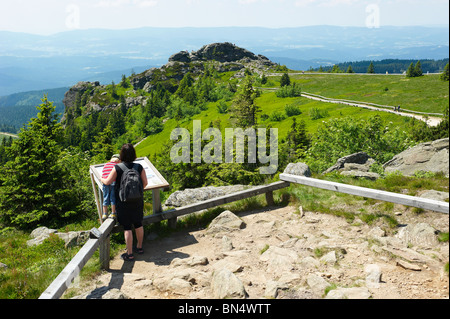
<point>430,120</point>
<point>283,254</point>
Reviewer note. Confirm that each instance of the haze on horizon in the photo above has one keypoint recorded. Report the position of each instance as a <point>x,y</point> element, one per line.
<point>48,17</point>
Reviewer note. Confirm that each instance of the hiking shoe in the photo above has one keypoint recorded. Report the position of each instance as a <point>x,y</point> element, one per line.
<point>113,215</point>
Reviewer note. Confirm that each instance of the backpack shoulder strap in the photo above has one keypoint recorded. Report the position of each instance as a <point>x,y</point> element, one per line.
<point>123,167</point>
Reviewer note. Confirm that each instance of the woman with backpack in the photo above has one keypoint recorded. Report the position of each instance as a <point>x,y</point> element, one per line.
<point>131,180</point>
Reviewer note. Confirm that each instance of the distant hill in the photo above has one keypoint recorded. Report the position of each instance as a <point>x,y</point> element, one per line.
<point>34,62</point>
<point>17,109</point>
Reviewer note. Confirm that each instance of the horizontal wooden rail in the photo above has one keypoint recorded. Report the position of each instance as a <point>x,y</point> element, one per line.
<point>406,200</point>
<point>172,214</point>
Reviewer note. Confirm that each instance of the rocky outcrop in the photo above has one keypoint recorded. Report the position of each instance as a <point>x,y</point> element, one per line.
<point>71,238</point>
<point>356,165</point>
<point>221,52</point>
<point>426,157</point>
<point>222,56</point>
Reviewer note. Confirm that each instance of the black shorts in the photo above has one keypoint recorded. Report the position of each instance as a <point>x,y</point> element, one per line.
<point>129,215</point>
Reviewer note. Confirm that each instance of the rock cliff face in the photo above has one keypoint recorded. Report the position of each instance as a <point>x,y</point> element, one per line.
<point>221,52</point>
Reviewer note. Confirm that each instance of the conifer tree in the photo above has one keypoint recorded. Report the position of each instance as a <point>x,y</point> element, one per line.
<point>285,80</point>
<point>244,110</point>
<point>33,190</point>
<point>371,69</point>
<point>410,72</point>
<point>418,69</point>
<point>445,75</point>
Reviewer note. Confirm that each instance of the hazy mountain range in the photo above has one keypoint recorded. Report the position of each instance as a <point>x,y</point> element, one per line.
<point>35,62</point>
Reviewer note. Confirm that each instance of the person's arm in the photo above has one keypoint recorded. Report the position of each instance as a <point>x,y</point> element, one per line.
<point>144,178</point>
<point>111,178</point>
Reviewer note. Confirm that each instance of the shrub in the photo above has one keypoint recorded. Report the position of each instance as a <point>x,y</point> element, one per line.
<point>277,116</point>
<point>316,114</point>
<point>292,110</point>
<point>291,90</point>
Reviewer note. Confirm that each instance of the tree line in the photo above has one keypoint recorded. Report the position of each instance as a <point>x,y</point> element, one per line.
<point>383,66</point>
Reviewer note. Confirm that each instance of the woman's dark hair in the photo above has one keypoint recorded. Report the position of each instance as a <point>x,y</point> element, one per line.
<point>127,153</point>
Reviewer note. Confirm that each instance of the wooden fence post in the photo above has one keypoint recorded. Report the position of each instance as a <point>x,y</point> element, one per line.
<point>104,251</point>
<point>269,198</point>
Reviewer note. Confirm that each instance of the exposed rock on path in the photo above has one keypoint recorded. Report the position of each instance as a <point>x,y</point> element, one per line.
<point>279,254</point>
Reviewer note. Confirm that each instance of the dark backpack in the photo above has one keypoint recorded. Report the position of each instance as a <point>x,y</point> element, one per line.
<point>131,188</point>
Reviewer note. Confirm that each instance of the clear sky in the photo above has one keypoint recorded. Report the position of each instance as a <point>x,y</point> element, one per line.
<point>53,16</point>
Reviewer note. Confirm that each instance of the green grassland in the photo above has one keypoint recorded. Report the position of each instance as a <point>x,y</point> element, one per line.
<point>423,94</point>
<point>269,103</point>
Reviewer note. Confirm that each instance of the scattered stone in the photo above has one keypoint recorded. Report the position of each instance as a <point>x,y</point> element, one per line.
<point>373,277</point>
<point>225,284</point>
<point>407,265</point>
<point>349,293</point>
<point>309,263</point>
<point>229,265</point>
<point>226,221</point>
<point>279,259</point>
<point>179,286</point>
<point>376,232</point>
<point>329,258</point>
<point>114,294</point>
<point>227,244</point>
<point>421,235</point>
<point>272,288</point>
<point>190,261</point>
<point>317,284</point>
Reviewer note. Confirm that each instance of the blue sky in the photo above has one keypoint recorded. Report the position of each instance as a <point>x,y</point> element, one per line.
<point>52,16</point>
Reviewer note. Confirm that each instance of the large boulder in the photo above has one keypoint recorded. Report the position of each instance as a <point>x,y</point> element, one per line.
<point>300,169</point>
<point>70,239</point>
<point>425,157</point>
<point>356,158</point>
<point>194,195</point>
<point>355,165</point>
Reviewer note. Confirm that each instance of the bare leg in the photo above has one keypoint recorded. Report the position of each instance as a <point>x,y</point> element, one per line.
<point>140,236</point>
<point>129,241</point>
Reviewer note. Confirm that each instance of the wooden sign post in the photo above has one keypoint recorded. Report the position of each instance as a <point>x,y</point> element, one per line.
<point>156,182</point>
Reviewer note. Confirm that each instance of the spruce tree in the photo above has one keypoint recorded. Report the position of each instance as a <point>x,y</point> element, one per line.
<point>285,80</point>
<point>371,69</point>
<point>445,75</point>
<point>410,72</point>
<point>33,190</point>
<point>244,110</point>
<point>418,69</point>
